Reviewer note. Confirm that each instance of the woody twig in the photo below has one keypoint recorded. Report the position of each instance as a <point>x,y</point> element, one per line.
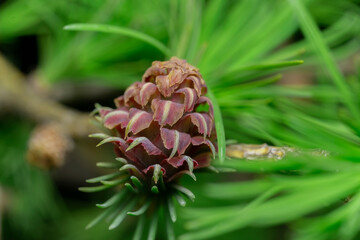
<point>66,123</point>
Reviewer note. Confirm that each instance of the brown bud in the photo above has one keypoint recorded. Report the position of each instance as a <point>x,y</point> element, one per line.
<point>48,146</point>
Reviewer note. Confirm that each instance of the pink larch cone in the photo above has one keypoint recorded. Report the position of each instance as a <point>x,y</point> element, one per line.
<point>157,123</point>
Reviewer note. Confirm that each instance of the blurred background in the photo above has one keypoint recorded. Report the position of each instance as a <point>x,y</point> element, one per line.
<point>285,73</point>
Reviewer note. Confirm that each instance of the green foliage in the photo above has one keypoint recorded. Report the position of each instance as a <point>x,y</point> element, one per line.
<point>240,48</point>
<point>31,196</point>
<point>315,184</point>
<point>103,59</point>
<point>318,43</point>
<point>122,31</point>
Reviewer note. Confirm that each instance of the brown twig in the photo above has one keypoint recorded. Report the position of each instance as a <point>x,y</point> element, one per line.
<point>253,152</point>
<point>16,95</point>
<point>264,151</point>
<point>57,124</point>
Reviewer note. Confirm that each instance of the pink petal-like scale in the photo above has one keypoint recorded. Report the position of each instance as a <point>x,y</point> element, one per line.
<point>166,112</point>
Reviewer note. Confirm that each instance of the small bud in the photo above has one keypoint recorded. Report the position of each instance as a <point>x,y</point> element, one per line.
<point>48,146</point>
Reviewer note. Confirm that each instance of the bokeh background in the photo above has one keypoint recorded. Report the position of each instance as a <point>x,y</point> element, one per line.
<point>285,73</point>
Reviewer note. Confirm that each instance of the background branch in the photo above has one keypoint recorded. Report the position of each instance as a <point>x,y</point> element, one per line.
<point>16,95</point>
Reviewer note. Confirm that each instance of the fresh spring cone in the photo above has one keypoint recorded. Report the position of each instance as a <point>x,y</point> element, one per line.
<point>160,125</point>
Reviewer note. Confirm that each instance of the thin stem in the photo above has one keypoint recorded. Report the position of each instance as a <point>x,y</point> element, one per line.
<point>120,30</point>
<point>16,96</point>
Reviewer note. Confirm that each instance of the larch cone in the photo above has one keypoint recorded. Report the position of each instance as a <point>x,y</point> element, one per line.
<point>163,124</point>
